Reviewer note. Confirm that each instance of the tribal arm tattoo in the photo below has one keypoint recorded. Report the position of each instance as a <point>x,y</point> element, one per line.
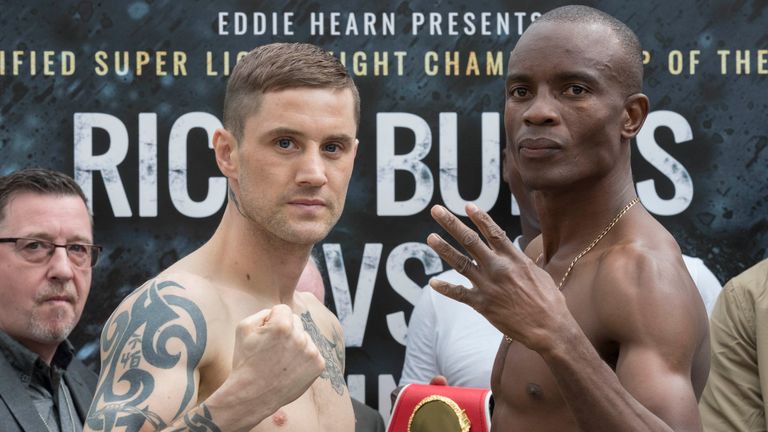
<point>197,422</point>
<point>331,350</point>
<point>136,348</point>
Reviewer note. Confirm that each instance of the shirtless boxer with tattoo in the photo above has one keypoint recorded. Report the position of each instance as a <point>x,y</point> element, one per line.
<point>220,341</point>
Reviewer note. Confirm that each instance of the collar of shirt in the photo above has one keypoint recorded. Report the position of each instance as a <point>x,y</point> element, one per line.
<point>27,363</point>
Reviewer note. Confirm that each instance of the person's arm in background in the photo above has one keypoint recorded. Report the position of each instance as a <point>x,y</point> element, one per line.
<point>421,351</point>
<point>761,337</point>
<point>734,398</point>
<point>706,282</point>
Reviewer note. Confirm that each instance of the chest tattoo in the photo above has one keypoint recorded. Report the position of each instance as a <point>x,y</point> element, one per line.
<point>331,350</point>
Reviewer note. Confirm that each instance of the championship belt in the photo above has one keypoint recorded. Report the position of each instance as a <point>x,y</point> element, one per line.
<point>436,408</point>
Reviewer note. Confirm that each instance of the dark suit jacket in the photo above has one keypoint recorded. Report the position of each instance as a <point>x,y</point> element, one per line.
<point>367,419</point>
<point>17,411</point>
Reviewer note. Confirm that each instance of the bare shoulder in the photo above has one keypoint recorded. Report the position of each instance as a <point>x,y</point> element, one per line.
<point>151,348</point>
<point>643,289</point>
<point>649,308</point>
<point>170,295</point>
<point>160,296</point>
<point>181,282</point>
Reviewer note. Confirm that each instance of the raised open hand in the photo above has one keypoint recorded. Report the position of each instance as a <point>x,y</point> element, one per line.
<point>509,289</point>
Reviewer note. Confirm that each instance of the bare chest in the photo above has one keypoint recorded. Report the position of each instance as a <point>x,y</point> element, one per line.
<point>325,406</point>
<point>526,393</point>
<point>321,408</point>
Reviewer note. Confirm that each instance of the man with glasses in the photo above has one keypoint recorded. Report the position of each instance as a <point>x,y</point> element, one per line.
<point>46,256</point>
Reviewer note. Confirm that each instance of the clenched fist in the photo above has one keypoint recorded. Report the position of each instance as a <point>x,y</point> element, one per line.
<point>274,362</point>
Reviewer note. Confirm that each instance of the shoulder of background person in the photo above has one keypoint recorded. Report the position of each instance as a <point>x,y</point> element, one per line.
<point>753,279</point>
<point>367,419</point>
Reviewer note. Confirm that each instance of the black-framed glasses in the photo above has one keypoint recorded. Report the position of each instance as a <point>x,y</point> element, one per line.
<point>39,251</point>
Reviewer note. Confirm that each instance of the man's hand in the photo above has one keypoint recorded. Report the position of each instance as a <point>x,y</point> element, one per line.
<point>274,362</point>
<point>516,296</point>
<point>439,380</point>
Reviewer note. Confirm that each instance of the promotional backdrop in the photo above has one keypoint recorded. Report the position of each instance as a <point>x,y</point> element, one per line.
<point>125,97</point>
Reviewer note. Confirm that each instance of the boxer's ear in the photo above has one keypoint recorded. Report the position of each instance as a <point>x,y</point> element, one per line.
<point>635,111</point>
<point>225,149</point>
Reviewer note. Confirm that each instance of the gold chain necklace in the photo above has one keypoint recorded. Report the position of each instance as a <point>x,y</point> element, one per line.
<point>589,247</point>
